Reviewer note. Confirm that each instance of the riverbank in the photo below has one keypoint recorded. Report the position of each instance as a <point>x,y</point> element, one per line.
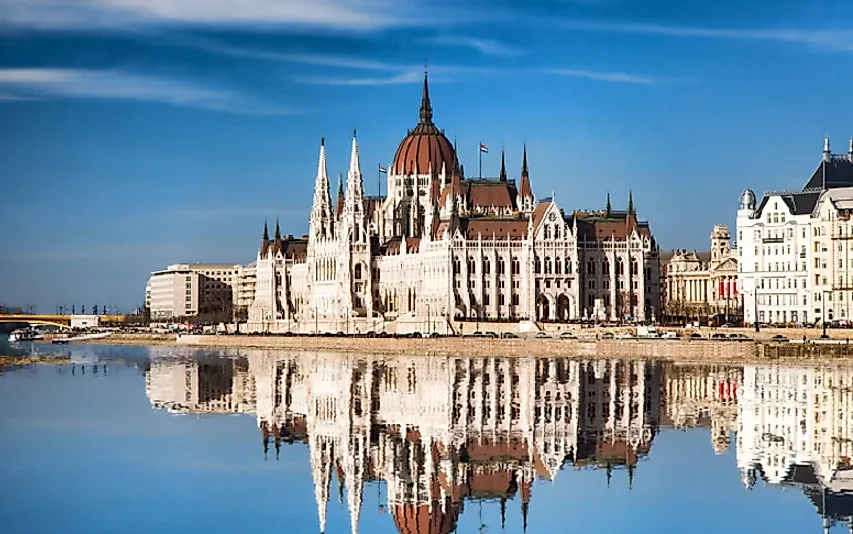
<point>682,350</point>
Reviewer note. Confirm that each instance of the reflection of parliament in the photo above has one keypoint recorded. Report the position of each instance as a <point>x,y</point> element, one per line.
<point>442,431</point>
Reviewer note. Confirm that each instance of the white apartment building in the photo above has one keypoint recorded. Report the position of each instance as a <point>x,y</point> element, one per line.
<point>778,250</point>
<point>187,290</point>
<point>832,231</point>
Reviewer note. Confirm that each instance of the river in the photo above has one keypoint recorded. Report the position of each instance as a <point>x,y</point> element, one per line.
<point>123,439</point>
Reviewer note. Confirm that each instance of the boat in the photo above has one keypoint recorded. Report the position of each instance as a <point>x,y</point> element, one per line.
<point>25,334</point>
<point>84,337</point>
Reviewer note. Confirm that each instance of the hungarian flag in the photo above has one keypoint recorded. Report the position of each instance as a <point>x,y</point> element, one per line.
<point>383,170</point>
<point>484,148</point>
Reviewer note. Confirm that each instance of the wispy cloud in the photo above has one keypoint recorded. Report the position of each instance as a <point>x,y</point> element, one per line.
<point>405,77</point>
<point>307,59</point>
<point>833,39</point>
<point>29,83</point>
<point>199,214</point>
<point>615,77</point>
<point>98,251</point>
<point>7,97</point>
<point>82,14</point>
<point>488,47</point>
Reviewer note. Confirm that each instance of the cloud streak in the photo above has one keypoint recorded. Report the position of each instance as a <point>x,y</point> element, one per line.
<point>43,83</point>
<point>487,47</point>
<point>614,77</point>
<point>832,39</point>
<point>199,214</point>
<point>87,14</point>
<point>402,78</point>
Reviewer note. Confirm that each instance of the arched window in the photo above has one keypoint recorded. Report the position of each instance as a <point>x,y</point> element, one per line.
<point>358,271</point>
<point>558,266</point>
<point>472,265</point>
<point>620,267</point>
<point>556,232</point>
<point>635,268</point>
<point>537,266</point>
<point>501,266</point>
<point>605,267</point>
<point>547,265</point>
<point>568,266</point>
<point>487,267</point>
<point>457,266</point>
<point>516,266</point>
<point>547,232</point>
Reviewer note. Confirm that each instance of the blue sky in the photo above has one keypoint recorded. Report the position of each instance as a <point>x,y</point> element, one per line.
<point>139,133</point>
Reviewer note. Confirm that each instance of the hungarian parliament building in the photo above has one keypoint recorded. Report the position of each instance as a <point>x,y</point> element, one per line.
<point>443,432</point>
<point>442,247</point>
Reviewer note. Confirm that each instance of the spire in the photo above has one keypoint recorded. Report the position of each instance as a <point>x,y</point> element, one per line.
<point>321,209</point>
<point>340,207</point>
<point>608,210</point>
<point>524,190</point>
<point>355,191</point>
<point>503,512</point>
<point>827,155</point>
<point>524,171</point>
<point>524,507</point>
<point>503,166</point>
<point>631,203</point>
<point>266,233</point>
<point>426,107</point>
<point>277,230</point>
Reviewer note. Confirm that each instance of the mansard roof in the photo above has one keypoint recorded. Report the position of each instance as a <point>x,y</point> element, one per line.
<point>484,193</point>
<point>798,202</point>
<point>837,172</point>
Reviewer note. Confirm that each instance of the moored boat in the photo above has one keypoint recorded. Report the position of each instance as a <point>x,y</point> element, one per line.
<point>25,334</point>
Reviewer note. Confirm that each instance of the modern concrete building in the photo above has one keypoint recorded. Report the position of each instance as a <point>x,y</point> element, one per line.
<point>783,256</point>
<point>443,247</point>
<point>193,289</point>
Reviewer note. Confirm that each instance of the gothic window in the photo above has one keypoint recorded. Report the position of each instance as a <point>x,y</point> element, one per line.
<point>501,266</point>
<point>568,266</point>
<point>547,232</point>
<point>537,265</point>
<point>457,266</point>
<point>472,266</point>
<point>634,267</point>
<point>556,232</point>
<point>516,266</point>
<point>547,265</point>
<point>500,299</point>
<point>486,299</point>
<point>358,271</point>
<point>558,266</point>
<point>515,299</point>
<point>487,267</point>
<point>620,267</point>
<point>605,267</point>
<point>590,267</point>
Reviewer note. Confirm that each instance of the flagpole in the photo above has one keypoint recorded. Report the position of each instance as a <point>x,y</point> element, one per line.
<point>379,180</point>
<point>480,151</point>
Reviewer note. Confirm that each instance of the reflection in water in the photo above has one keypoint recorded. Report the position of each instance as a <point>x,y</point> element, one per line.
<point>441,432</point>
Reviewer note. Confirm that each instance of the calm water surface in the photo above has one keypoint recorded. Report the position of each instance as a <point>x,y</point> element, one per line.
<point>134,439</point>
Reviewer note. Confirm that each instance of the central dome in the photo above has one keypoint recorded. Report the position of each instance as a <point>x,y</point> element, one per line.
<point>424,145</point>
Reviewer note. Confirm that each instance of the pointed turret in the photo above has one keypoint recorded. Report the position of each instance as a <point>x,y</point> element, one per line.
<point>631,203</point>
<point>608,209</point>
<point>827,154</point>
<point>426,107</point>
<point>321,210</point>
<point>354,200</point>
<point>524,190</point>
<point>265,241</point>
<point>277,230</point>
<point>340,207</point>
<point>503,166</point>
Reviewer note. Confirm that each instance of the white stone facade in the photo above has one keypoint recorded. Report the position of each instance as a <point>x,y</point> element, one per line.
<point>441,248</point>
<point>788,247</point>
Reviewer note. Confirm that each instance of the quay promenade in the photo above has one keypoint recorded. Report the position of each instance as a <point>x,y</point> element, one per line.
<point>682,350</point>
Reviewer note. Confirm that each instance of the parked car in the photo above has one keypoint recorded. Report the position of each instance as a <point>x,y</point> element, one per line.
<point>509,335</point>
<point>779,338</point>
<point>567,335</point>
<point>543,335</point>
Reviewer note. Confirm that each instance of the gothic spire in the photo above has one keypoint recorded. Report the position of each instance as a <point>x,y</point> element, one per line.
<point>426,107</point>
<point>355,184</point>
<point>524,189</point>
<point>631,203</point>
<point>340,206</point>
<point>266,233</point>
<point>524,171</point>
<point>277,230</point>
<point>608,210</point>
<point>321,209</point>
<point>503,166</point>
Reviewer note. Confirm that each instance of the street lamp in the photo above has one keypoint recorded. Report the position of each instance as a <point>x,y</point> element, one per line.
<point>823,314</point>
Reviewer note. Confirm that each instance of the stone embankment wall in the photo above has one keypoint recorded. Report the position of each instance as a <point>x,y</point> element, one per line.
<point>677,350</point>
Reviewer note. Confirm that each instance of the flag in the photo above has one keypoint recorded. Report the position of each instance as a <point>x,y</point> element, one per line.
<point>383,170</point>
<point>484,148</point>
